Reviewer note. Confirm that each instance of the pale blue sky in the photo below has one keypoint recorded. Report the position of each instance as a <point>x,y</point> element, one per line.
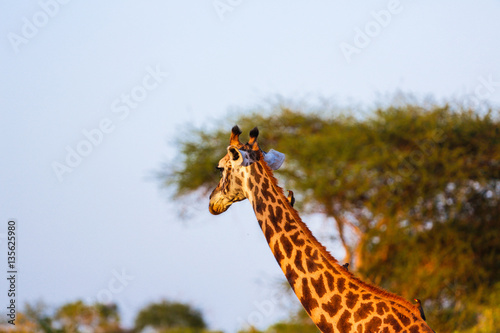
<point>73,73</point>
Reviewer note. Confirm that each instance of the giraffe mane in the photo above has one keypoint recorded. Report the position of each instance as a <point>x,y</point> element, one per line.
<point>352,278</point>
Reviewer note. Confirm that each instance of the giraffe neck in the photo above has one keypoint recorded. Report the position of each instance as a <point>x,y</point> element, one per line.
<point>334,299</point>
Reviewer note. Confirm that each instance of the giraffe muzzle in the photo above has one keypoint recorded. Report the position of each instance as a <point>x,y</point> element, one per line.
<point>217,209</point>
<point>218,204</point>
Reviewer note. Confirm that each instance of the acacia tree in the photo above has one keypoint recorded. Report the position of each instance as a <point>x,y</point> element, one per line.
<point>71,317</point>
<point>78,316</point>
<point>170,316</point>
<point>413,190</point>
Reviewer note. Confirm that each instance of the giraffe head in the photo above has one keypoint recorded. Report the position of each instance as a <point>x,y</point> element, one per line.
<point>236,166</point>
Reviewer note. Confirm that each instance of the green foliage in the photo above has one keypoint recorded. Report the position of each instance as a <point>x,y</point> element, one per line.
<point>297,323</point>
<point>171,317</point>
<point>38,316</point>
<point>70,318</point>
<point>74,317</point>
<point>186,330</point>
<point>414,192</point>
<point>78,317</point>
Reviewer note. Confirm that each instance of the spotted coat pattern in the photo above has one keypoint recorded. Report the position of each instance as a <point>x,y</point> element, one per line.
<point>333,297</point>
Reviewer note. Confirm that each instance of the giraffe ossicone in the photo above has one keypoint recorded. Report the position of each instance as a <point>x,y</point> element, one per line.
<point>333,297</point>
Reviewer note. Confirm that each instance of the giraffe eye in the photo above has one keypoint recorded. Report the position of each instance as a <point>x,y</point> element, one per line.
<point>220,169</point>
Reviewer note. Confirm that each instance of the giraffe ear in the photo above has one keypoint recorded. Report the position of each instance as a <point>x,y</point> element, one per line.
<point>274,159</point>
<point>234,153</point>
<point>238,157</point>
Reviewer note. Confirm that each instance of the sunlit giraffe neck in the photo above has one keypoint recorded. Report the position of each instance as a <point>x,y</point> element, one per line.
<point>334,299</point>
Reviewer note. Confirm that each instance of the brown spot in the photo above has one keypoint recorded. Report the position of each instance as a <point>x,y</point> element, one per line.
<point>351,299</point>
<point>289,227</point>
<point>254,155</point>
<point>250,184</point>
<point>330,280</point>
<point>344,325</point>
<point>269,232</point>
<point>393,322</point>
<point>341,285</point>
<point>324,326</point>
<point>307,300</point>
<point>319,286</point>
<point>373,325</point>
<point>296,240</point>
<point>298,262</point>
<point>265,191</point>
<point>291,275</point>
<point>287,245</point>
<point>382,308</point>
<point>365,296</point>
<point>333,306</point>
<point>353,286</point>
<point>238,181</point>
<point>359,328</point>
<point>259,205</point>
<point>363,311</point>
<point>404,319</point>
<point>277,252</point>
<point>311,253</point>
<point>258,175</point>
<point>311,266</point>
<point>414,329</point>
<point>273,218</point>
<point>333,269</point>
<point>279,213</point>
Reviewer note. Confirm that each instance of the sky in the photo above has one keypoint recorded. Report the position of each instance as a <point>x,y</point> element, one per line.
<point>93,95</point>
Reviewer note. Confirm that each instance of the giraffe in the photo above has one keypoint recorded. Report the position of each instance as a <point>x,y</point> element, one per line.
<point>333,297</point>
